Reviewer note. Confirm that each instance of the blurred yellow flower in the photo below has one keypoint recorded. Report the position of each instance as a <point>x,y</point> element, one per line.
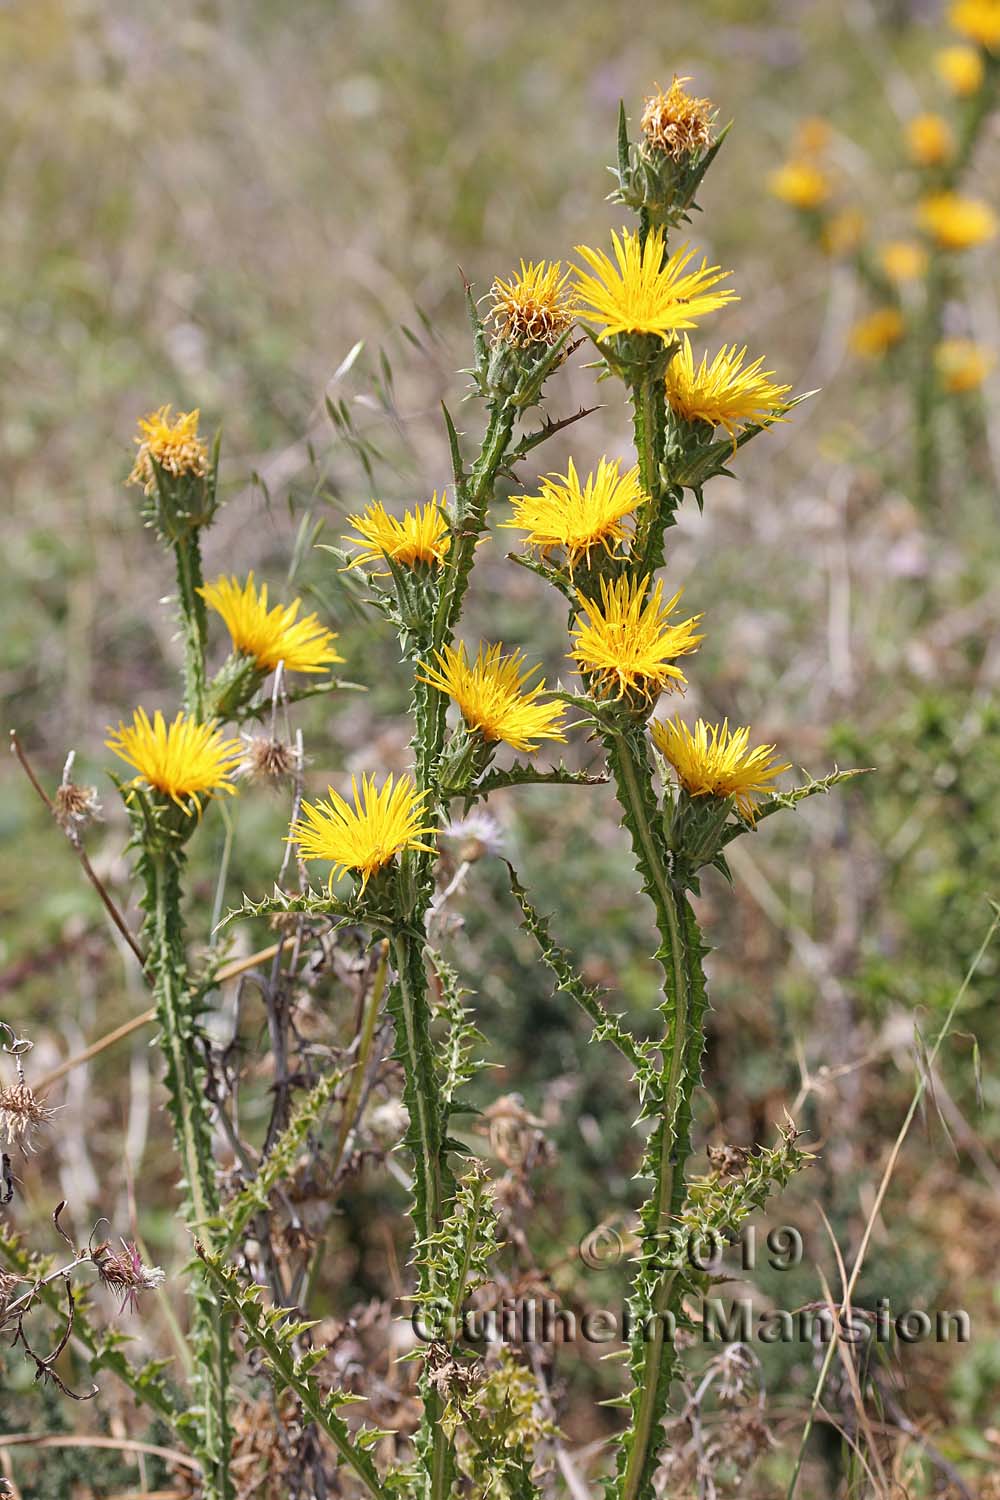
<point>532,308</point>
<point>957,223</point>
<point>716,761</point>
<point>903,260</point>
<point>643,294</point>
<point>366,837</point>
<point>962,364</point>
<point>184,760</point>
<point>490,694</point>
<point>842,232</point>
<point>802,184</point>
<point>270,635</point>
<point>979,20</point>
<point>929,140</point>
<point>626,644</point>
<point>422,536</point>
<point>812,136</point>
<point>961,68</point>
<point>675,122</point>
<point>576,517</point>
<point>174,444</point>
<point>877,333</point>
<point>723,393</point>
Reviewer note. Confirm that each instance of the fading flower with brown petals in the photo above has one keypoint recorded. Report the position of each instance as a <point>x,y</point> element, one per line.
<point>676,123</point>
<point>76,806</point>
<point>267,759</point>
<point>21,1115</point>
<point>125,1275</point>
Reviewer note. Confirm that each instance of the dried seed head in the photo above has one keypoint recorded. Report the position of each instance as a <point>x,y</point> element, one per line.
<point>124,1273</point>
<point>727,1161</point>
<point>8,1285</point>
<point>76,806</point>
<point>477,835</point>
<point>21,1115</point>
<point>676,123</point>
<point>267,759</point>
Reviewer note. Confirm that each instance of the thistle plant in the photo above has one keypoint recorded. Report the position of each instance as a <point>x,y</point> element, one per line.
<point>599,539</point>
<point>912,274</point>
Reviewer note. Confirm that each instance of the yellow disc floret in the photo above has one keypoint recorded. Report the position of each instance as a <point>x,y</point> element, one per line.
<point>640,293</point>
<point>173,443</point>
<point>270,635</point>
<point>422,536</point>
<point>716,761</point>
<point>493,697</point>
<point>626,645</point>
<point>724,393</point>
<point>185,760</point>
<point>574,516</point>
<point>367,836</point>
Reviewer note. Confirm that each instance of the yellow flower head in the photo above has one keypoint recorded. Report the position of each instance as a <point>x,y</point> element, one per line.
<point>716,761</point>
<point>367,836</point>
<point>843,232</point>
<point>422,536</point>
<point>490,693</point>
<point>903,260</point>
<point>675,122</point>
<point>801,184</point>
<point>270,635</point>
<point>532,308</point>
<point>962,364</point>
<point>577,517</point>
<point>877,333</point>
<point>626,644</point>
<point>957,223</point>
<point>184,760</point>
<point>723,393</point>
<point>961,68</point>
<point>174,444</point>
<point>979,20</point>
<point>644,295</point>
<point>929,140</point>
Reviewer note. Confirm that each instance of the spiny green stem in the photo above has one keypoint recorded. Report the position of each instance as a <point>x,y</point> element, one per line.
<point>167,963</point>
<point>680,1051</point>
<point>194,629</point>
<point>471,518</point>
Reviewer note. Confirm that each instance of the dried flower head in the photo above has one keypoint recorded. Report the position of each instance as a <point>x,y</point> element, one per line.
<point>675,122</point>
<point>76,807</point>
<point>492,697</point>
<point>929,140</point>
<point>979,20</point>
<point>267,759</point>
<point>476,835</point>
<point>533,307</point>
<point>124,1273</point>
<point>9,1284</point>
<point>639,292</point>
<point>185,760</point>
<point>715,761</point>
<point>801,184</point>
<point>22,1114</point>
<point>955,222</point>
<point>273,635</point>
<point>877,332</point>
<point>366,837</point>
<point>961,68</point>
<point>626,643</point>
<point>723,393</point>
<point>575,517</point>
<point>172,444</point>
<point>903,260</point>
<point>962,364</point>
<point>422,536</point>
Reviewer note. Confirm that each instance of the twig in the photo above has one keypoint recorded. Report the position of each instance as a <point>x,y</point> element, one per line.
<point>88,869</point>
